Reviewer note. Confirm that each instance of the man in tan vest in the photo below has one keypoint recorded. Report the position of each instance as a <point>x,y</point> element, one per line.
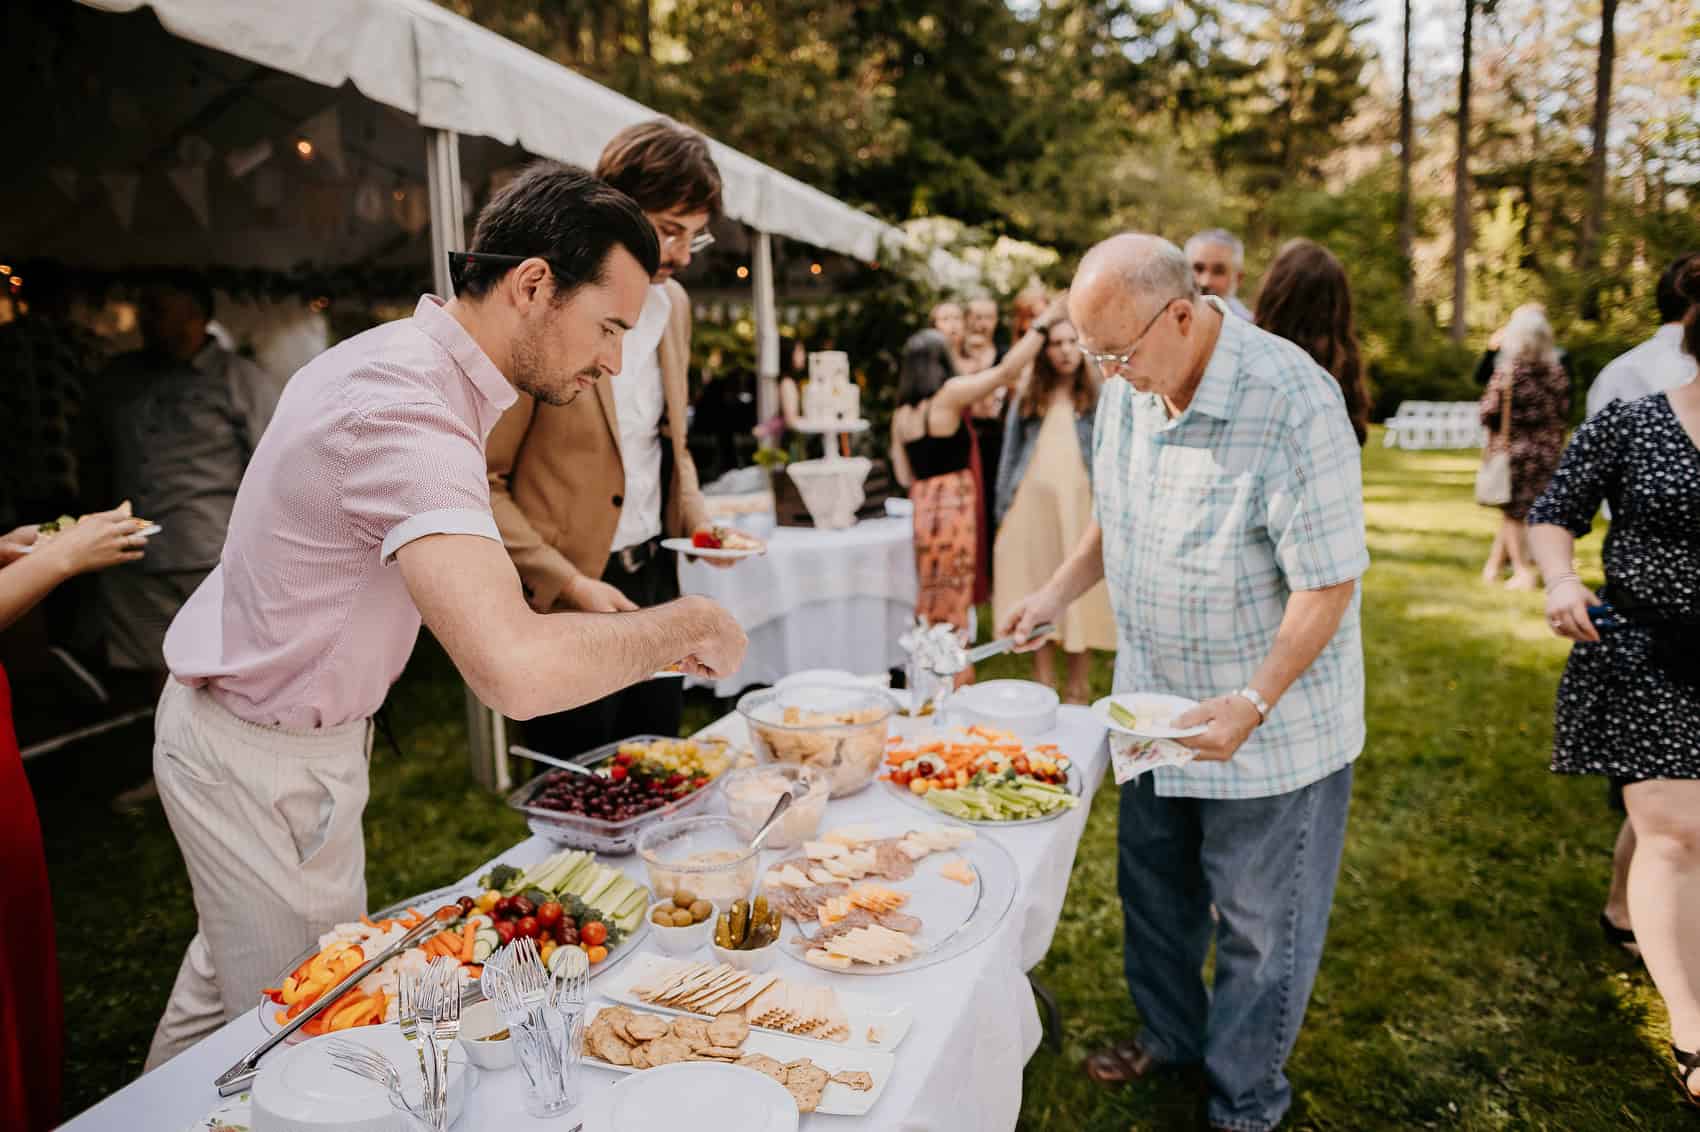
<point>584,493</point>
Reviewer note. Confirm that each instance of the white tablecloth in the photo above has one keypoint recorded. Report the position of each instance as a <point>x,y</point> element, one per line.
<point>958,1070</point>
<point>817,599</point>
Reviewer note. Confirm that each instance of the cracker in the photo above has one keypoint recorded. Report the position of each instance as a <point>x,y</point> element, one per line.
<point>640,1058</point>
<point>608,1046</point>
<point>728,1030</point>
<point>730,1053</point>
<point>647,1027</point>
<point>689,1028</point>
<point>667,1050</point>
<point>762,1063</point>
<point>859,1079</point>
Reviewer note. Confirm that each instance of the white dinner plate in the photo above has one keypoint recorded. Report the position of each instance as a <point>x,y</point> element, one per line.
<point>1154,706</point>
<point>299,1088</point>
<point>684,546</point>
<point>146,532</point>
<point>703,1096</point>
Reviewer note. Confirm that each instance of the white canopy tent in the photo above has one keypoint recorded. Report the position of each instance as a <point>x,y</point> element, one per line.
<point>390,66</point>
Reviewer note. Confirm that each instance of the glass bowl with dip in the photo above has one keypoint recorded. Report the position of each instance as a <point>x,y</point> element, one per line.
<point>705,856</point>
<point>750,793</point>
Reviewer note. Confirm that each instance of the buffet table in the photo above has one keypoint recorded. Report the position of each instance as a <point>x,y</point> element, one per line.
<point>959,1068</point>
<point>816,599</point>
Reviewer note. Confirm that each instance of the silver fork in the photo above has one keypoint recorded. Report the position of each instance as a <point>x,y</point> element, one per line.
<point>446,1024</point>
<point>407,1011</point>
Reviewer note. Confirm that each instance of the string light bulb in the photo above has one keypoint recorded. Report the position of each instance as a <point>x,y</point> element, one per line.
<point>814,269</point>
<point>5,269</point>
<point>743,272</point>
<point>304,146</point>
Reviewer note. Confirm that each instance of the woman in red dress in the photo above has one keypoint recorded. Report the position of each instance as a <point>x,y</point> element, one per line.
<point>31,1033</point>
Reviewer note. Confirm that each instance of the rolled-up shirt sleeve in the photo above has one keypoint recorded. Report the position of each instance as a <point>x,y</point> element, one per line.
<point>1314,493</point>
<point>413,470</point>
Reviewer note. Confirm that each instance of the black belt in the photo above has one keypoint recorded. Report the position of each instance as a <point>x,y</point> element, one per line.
<point>633,558</point>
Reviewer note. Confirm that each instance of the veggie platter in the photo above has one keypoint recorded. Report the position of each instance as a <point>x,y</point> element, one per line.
<point>982,776</point>
<point>571,899</point>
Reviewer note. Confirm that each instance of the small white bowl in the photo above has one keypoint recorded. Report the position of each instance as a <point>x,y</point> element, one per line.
<point>681,941</point>
<point>477,1023</point>
<point>754,962</point>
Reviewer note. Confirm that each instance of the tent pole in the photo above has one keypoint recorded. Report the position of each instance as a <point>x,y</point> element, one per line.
<point>486,730</point>
<point>767,329</point>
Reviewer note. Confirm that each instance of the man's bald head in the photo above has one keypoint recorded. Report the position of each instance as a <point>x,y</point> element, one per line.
<point>1146,271</point>
<point>1118,302</point>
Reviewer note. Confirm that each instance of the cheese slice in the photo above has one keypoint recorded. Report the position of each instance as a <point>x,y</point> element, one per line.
<point>958,870</point>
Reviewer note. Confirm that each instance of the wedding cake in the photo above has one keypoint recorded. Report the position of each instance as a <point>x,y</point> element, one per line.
<point>830,396</point>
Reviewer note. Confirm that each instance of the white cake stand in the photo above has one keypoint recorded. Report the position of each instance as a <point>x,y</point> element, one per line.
<point>830,431</point>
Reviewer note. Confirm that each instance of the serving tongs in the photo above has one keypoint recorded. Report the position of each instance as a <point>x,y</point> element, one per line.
<point>1004,644</point>
<point>240,1076</point>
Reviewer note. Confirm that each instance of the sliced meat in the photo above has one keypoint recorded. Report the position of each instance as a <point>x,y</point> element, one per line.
<point>804,904</point>
<point>899,922</point>
<point>890,861</point>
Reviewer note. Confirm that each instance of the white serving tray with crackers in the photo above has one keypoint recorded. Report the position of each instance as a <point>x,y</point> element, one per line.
<point>800,1007</point>
<point>781,1052</point>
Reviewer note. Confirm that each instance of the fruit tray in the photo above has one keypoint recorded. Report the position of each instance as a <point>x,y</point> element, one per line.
<point>600,835</point>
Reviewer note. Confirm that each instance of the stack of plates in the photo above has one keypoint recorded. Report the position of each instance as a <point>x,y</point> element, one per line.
<point>300,1090</point>
<point>1022,707</point>
<point>701,1095</point>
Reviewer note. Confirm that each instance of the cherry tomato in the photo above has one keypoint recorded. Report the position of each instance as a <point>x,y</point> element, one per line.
<point>504,908</point>
<point>524,907</point>
<point>618,773</point>
<point>622,760</point>
<point>594,933</point>
<point>549,914</point>
<point>505,931</point>
<point>901,777</point>
<point>526,927</point>
<point>597,954</point>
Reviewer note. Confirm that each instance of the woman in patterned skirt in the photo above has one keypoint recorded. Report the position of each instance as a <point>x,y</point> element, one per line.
<point>932,449</point>
<point>1528,372</point>
<point>1629,703</point>
<point>30,1032</point>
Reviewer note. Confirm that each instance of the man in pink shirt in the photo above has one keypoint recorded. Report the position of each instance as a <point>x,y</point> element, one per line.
<point>365,509</point>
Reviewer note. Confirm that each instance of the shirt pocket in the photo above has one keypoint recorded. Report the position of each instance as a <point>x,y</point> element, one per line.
<point>1189,582</point>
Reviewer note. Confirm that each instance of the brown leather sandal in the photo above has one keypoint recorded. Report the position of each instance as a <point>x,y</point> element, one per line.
<point>1121,1063</point>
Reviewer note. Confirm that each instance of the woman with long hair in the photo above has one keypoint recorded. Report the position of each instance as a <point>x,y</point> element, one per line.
<point>1044,504</point>
<point>1527,374</point>
<point>932,448</point>
<point>1306,300</point>
<point>1628,707</point>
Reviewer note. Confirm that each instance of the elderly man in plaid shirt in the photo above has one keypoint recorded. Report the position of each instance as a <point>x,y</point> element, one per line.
<point>1230,531</point>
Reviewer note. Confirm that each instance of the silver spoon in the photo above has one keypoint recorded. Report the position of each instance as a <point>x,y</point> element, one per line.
<point>551,760</point>
<point>779,809</point>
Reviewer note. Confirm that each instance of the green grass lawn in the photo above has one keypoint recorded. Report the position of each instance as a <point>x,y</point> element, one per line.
<point>1465,984</point>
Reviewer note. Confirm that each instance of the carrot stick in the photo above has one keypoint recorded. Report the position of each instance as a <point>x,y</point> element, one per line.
<point>466,939</point>
<point>366,921</point>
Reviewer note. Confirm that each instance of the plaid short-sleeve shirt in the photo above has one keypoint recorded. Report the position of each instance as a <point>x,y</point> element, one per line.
<point>1211,521</point>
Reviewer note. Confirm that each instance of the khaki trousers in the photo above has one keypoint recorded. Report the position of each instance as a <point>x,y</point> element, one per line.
<point>269,824</point>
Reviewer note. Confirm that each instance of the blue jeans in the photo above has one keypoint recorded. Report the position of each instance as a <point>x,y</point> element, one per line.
<point>1269,865</point>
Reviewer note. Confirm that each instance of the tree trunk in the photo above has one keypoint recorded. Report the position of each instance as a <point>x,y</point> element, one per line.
<point>1461,187</point>
<point>1594,222</point>
<point>1407,207</point>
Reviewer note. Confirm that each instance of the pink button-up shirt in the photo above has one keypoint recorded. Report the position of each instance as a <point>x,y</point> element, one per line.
<point>306,621</point>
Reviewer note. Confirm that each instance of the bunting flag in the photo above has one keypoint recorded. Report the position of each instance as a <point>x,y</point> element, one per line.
<point>190,181</point>
<point>121,193</point>
<point>67,179</point>
<point>244,161</point>
<point>324,130</point>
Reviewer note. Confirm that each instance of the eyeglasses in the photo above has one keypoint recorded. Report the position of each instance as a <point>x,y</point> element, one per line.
<point>700,242</point>
<point>1111,364</point>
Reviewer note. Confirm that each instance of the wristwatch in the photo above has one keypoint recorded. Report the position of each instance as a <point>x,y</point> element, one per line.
<point>1251,696</point>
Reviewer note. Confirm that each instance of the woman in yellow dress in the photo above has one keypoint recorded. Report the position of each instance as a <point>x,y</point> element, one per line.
<point>1044,503</point>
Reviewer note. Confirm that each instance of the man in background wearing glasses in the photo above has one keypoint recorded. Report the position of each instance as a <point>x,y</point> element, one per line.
<point>1229,528</point>
<point>584,493</point>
